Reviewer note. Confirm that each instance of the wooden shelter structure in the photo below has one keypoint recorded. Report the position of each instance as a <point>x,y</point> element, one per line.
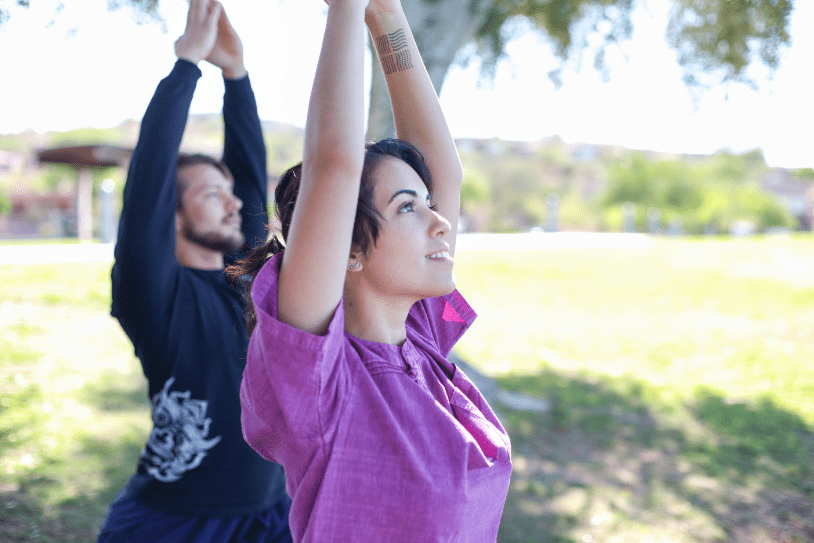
<point>84,158</point>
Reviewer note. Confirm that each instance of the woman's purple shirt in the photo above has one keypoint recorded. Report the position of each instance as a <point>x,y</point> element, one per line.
<point>379,442</point>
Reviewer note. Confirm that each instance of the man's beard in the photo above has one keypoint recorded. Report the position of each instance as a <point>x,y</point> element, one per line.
<point>213,240</point>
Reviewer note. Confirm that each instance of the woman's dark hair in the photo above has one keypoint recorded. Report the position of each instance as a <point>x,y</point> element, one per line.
<point>365,226</point>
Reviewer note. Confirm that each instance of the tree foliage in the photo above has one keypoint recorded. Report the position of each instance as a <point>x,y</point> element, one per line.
<point>713,194</point>
<point>560,21</point>
<point>143,10</point>
<point>4,8</point>
<point>716,41</point>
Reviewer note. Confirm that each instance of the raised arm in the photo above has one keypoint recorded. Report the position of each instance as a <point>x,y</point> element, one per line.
<point>244,150</point>
<point>145,250</point>
<point>416,110</point>
<point>318,245</point>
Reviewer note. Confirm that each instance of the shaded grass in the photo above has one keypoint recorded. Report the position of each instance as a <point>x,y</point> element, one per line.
<point>679,378</point>
<point>73,407</point>
<point>605,464</point>
<point>682,397</point>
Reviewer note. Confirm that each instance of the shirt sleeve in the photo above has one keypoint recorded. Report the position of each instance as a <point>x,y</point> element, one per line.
<point>293,380</point>
<point>145,270</point>
<point>244,152</point>
<point>442,320</point>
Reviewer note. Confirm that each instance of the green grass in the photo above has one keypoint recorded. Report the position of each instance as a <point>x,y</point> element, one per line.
<point>680,382</point>
<point>73,407</point>
<point>679,378</point>
<point>76,286</point>
<point>40,241</point>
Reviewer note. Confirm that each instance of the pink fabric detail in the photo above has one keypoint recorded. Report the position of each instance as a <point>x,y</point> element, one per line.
<point>450,315</point>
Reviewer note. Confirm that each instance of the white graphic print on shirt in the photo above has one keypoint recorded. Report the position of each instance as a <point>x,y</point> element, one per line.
<point>178,441</point>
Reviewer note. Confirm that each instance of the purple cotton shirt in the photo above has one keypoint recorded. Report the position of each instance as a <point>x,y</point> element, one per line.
<point>378,442</point>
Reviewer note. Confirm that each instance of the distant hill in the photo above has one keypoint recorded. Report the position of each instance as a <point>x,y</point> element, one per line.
<point>507,182</point>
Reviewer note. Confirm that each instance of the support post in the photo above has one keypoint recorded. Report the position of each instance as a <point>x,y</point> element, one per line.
<point>84,204</point>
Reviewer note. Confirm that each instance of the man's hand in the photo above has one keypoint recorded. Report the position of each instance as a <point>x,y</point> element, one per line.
<point>227,54</point>
<point>201,32</point>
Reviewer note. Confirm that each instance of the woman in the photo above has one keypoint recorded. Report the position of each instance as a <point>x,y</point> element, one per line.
<point>347,383</point>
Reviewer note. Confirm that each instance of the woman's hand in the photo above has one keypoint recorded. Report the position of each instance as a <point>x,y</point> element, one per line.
<point>360,3</point>
<point>375,7</point>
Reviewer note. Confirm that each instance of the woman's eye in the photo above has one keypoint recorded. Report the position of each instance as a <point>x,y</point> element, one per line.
<point>434,207</point>
<point>406,207</point>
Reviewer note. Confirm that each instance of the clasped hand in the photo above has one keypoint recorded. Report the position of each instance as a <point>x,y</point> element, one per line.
<point>210,36</point>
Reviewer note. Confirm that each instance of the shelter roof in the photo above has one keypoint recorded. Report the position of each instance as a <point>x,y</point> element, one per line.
<point>87,155</point>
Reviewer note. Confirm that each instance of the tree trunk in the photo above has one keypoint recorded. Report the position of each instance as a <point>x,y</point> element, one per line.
<point>441,28</point>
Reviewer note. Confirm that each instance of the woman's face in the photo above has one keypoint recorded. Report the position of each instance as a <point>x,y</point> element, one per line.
<point>410,258</point>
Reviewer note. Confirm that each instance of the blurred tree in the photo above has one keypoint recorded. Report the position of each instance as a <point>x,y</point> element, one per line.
<point>805,174</point>
<point>475,200</point>
<point>4,4</point>
<point>5,201</point>
<point>630,180</point>
<point>475,189</point>
<point>716,40</point>
<point>753,204</point>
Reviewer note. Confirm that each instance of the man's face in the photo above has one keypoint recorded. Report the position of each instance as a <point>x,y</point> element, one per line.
<point>209,214</point>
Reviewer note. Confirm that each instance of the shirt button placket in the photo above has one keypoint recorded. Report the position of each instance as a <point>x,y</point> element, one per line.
<point>412,359</point>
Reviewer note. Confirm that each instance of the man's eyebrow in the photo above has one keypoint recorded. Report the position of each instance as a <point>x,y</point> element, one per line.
<point>214,185</point>
<point>412,193</point>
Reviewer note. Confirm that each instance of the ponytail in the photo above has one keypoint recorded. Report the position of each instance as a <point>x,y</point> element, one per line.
<point>242,274</point>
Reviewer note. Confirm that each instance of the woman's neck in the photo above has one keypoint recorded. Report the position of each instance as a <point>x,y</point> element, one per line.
<point>373,318</point>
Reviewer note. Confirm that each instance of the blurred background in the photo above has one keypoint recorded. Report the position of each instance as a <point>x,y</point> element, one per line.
<point>636,217</point>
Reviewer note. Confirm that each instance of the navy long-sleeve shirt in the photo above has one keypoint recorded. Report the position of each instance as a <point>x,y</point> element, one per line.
<point>187,325</point>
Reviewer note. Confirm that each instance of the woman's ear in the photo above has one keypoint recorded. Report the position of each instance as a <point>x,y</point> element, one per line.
<point>355,262</point>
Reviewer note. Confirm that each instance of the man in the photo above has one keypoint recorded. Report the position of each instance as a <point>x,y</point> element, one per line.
<point>197,479</point>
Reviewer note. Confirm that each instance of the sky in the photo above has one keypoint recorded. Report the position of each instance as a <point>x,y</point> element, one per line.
<point>89,67</point>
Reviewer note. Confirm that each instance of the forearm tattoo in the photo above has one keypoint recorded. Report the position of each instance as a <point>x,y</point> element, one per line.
<point>394,52</point>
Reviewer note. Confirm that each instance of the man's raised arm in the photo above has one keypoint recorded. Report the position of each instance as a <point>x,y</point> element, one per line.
<point>145,249</point>
<point>244,149</point>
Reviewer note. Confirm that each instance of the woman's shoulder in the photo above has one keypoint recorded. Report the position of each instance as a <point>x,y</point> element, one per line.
<point>441,320</point>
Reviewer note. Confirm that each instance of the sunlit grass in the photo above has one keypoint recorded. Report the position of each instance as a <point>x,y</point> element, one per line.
<point>732,316</point>
<point>74,285</point>
<point>73,408</point>
<point>680,382</point>
<point>40,241</point>
<point>679,379</point>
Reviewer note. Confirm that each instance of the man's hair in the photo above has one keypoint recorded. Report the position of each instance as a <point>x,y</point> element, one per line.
<point>186,160</point>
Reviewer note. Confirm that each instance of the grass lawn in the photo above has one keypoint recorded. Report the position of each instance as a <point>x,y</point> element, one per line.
<point>40,241</point>
<point>681,393</point>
